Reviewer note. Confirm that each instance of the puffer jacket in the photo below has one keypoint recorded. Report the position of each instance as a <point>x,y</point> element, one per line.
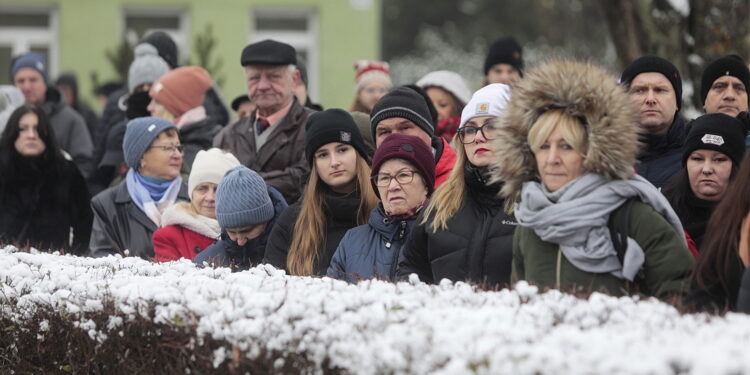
<point>227,253</point>
<point>183,234</point>
<point>70,130</point>
<point>120,225</point>
<point>477,246</point>
<point>587,92</point>
<point>372,250</point>
<point>341,215</point>
<point>661,159</point>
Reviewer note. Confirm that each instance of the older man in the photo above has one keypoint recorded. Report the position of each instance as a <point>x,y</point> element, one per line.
<point>405,111</point>
<point>29,74</point>
<point>655,89</point>
<point>271,140</point>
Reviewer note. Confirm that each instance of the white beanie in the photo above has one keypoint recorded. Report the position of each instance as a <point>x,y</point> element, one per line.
<point>448,81</point>
<point>490,100</point>
<point>210,166</point>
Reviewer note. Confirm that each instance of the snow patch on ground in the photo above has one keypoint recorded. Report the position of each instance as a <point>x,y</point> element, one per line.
<point>378,327</point>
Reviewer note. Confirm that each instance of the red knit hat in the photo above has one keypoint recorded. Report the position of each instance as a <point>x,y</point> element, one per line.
<point>181,89</point>
<point>368,70</point>
<point>410,148</point>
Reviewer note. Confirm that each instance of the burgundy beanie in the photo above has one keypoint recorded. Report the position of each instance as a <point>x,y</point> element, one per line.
<point>411,149</point>
<point>181,89</point>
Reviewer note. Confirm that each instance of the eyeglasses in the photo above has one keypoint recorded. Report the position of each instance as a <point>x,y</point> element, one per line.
<point>170,149</point>
<point>468,134</point>
<point>403,177</point>
<point>375,90</point>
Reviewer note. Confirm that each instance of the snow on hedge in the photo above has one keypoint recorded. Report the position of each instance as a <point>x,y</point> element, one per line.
<point>378,327</point>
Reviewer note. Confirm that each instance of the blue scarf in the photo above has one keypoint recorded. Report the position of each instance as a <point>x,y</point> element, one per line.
<point>150,195</point>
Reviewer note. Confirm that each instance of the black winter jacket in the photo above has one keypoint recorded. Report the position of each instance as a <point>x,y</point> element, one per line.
<point>120,225</point>
<point>477,247</point>
<point>195,137</point>
<point>40,206</point>
<point>661,159</point>
<point>227,253</point>
<point>372,250</point>
<point>341,215</point>
<point>694,214</point>
<point>743,297</point>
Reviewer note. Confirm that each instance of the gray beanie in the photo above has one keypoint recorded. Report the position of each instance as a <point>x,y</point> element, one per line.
<point>147,67</point>
<point>242,199</point>
<point>139,134</point>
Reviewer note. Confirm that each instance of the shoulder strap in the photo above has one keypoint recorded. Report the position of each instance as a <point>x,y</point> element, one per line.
<point>618,228</point>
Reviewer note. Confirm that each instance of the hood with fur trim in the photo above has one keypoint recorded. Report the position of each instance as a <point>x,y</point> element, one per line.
<point>583,90</point>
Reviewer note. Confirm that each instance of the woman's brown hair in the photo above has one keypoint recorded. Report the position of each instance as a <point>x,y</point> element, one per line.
<point>310,227</point>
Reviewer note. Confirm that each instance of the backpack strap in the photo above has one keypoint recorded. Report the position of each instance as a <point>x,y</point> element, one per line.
<point>618,228</point>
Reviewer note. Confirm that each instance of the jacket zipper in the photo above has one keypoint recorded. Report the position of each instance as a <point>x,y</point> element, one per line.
<point>396,250</point>
<point>557,272</point>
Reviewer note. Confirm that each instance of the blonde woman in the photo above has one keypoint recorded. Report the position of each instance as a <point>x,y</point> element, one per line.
<point>566,146</point>
<point>464,235</point>
<point>338,197</point>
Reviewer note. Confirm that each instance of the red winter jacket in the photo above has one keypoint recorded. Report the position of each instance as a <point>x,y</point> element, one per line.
<point>444,165</point>
<point>183,235</point>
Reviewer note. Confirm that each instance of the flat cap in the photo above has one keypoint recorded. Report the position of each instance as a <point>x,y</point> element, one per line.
<point>268,52</point>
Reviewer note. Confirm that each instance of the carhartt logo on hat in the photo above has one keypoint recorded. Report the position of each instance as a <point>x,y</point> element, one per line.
<point>713,139</point>
<point>483,108</point>
<point>346,136</point>
<point>151,127</point>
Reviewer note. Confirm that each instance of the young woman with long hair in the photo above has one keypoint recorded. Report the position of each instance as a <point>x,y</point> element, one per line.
<point>464,234</point>
<point>338,197</point>
<point>726,248</point>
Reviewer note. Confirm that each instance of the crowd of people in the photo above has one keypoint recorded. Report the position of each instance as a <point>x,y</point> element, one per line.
<point>562,175</point>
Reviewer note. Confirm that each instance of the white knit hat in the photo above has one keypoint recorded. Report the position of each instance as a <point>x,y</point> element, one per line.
<point>210,166</point>
<point>490,100</point>
<point>448,81</point>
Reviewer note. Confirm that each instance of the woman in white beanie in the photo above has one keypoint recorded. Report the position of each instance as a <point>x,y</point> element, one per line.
<point>463,234</point>
<point>190,227</point>
<point>449,94</point>
<point>372,81</point>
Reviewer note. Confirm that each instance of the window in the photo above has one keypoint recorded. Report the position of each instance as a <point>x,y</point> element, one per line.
<point>297,27</point>
<point>139,22</point>
<point>24,29</point>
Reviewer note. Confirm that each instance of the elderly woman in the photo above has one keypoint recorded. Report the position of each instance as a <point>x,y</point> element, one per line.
<point>127,215</point>
<point>713,151</point>
<point>44,200</point>
<point>403,175</point>
<point>567,146</point>
<point>464,235</point>
<point>190,227</point>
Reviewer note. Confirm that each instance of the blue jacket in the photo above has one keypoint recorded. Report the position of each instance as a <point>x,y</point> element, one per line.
<point>372,250</point>
<point>226,253</point>
<point>661,160</point>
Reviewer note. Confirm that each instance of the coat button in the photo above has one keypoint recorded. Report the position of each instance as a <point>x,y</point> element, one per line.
<point>197,249</point>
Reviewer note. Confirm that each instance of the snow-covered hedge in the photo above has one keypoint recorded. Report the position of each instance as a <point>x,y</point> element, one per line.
<point>324,325</point>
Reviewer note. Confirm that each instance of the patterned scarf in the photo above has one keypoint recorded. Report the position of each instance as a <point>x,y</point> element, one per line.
<point>152,198</point>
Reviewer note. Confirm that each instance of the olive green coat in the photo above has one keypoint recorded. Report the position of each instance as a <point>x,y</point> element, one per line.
<point>666,270</point>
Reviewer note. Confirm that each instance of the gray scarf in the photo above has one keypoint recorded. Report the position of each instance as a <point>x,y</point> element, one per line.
<point>577,221</point>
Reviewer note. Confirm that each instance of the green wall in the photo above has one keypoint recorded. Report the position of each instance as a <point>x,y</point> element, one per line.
<point>87,28</point>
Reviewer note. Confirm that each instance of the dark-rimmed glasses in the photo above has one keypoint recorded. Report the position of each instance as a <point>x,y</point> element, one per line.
<point>468,134</point>
<point>403,177</point>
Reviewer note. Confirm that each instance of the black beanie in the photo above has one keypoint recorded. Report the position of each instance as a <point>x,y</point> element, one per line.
<point>505,51</point>
<point>718,132</point>
<point>729,65</point>
<point>656,64</point>
<point>405,103</point>
<point>165,46</point>
<point>430,105</point>
<point>332,125</point>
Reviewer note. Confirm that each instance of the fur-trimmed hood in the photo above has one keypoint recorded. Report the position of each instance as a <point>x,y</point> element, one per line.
<point>584,90</point>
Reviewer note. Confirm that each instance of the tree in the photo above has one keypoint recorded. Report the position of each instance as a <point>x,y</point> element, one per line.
<point>120,58</point>
<point>690,33</point>
<point>205,45</point>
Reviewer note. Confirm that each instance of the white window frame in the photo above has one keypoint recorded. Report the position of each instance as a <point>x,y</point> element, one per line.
<point>21,39</point>
<point>307,40</point>
<point>181,35</point>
